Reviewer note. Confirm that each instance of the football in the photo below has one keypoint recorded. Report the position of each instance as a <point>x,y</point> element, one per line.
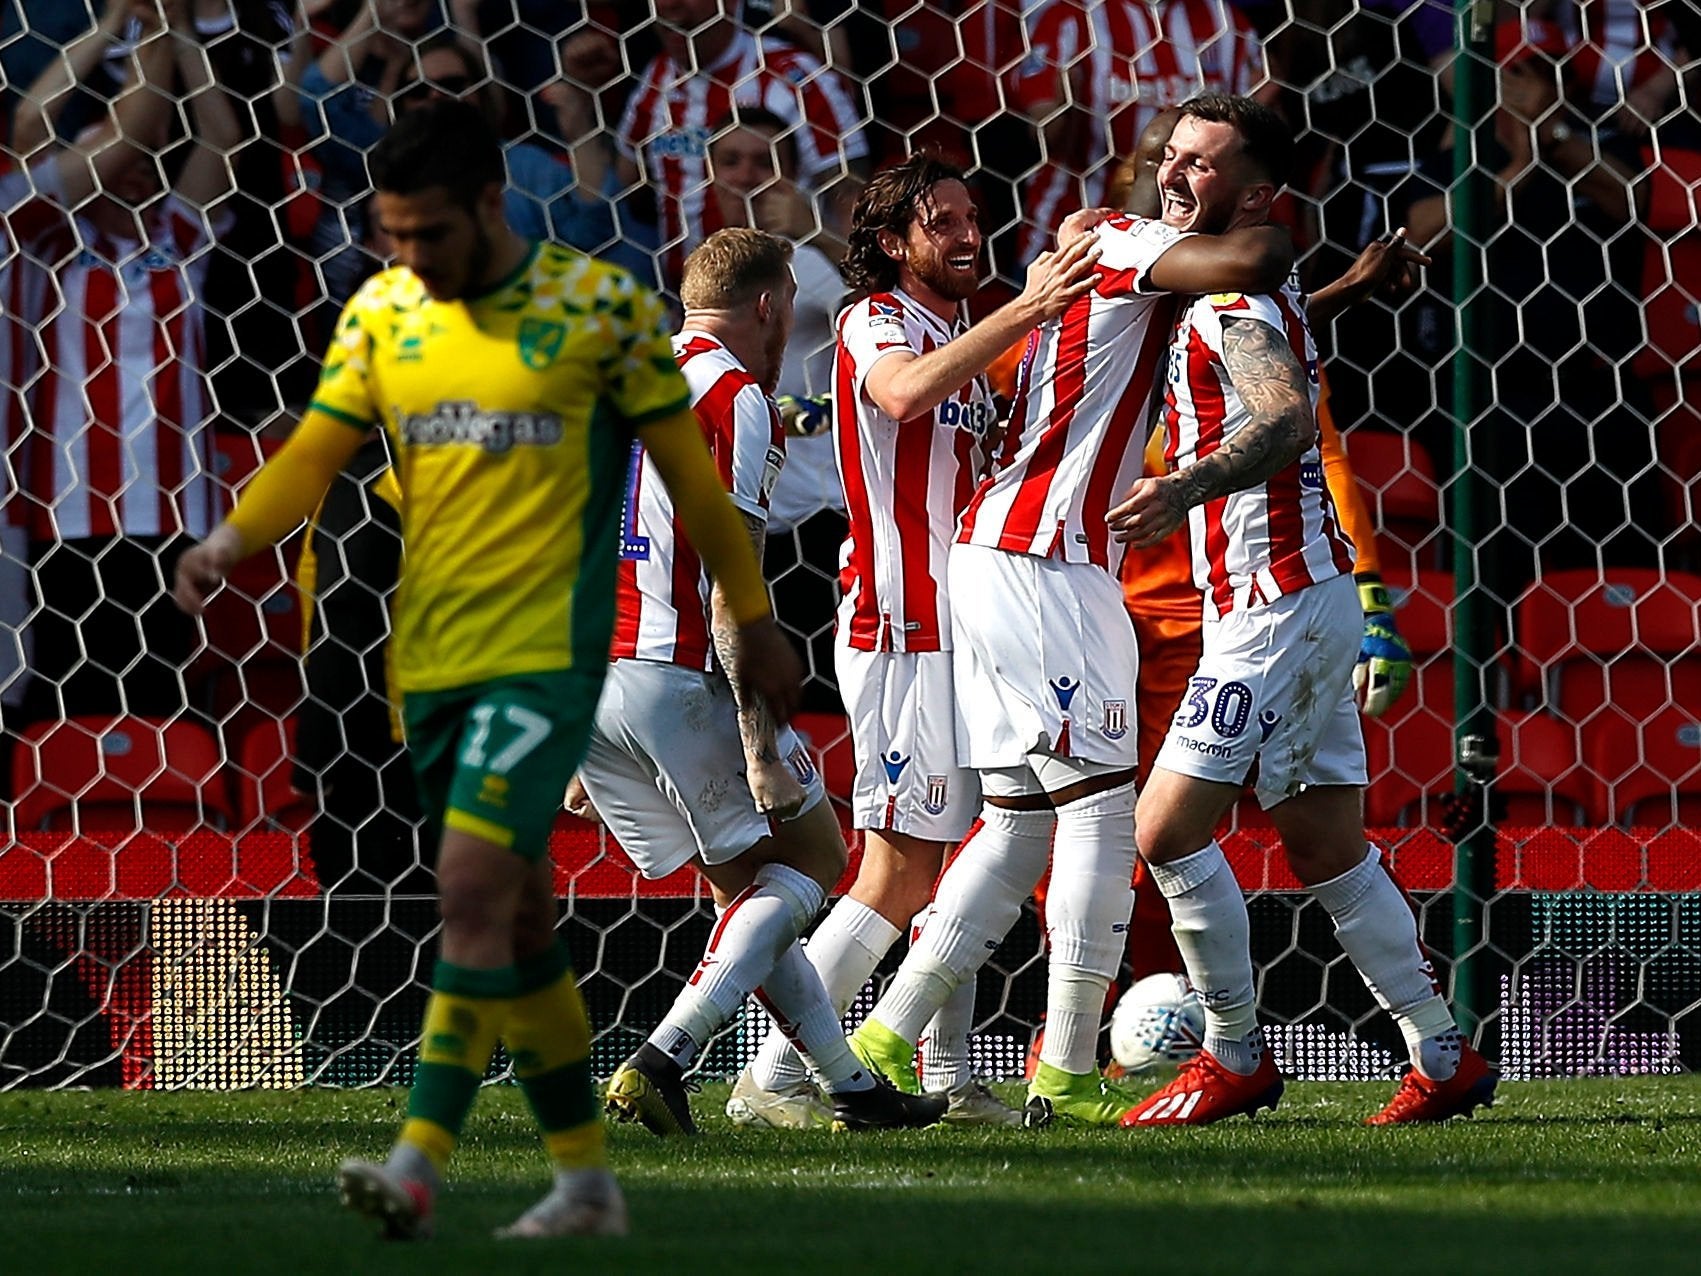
<point>1158,1023</point>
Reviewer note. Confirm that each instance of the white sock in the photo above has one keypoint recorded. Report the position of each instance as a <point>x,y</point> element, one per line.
<point>942,1054</point>
<point>1087,911</point>
<point>1074,1010</point>
<point>1215,936</point>
<point>1378,932</point>
<point>845,949</point>
<point>944,1044</point>
<point>757,927</point>
<point>977,901</point>
<point>794,996</point>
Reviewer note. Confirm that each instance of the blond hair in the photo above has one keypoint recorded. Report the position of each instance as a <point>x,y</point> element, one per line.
<point>734,266</point>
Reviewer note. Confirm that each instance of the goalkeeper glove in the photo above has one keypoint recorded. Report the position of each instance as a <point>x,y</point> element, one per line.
<point>1384,661</point>
<point>804,417</point>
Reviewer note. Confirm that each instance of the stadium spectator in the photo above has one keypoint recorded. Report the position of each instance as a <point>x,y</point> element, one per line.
<point>512,508</point>
<point>708,64</point>
<point>107,399</point>
<point>753,165</point>
<point>1567,440</point>
<point>1097,72</point>
<point>1624,56</point>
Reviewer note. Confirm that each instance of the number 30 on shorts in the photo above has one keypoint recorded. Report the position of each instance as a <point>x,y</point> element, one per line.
<point>1229,710</point>
<point>530,730</point>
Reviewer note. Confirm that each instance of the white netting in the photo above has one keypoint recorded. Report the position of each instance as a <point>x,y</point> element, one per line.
<point>162,921</point>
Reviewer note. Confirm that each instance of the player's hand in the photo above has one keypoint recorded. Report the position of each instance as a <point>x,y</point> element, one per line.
<point>767,666</point>
<point>1388,264</point>
<point>1081,222</point>
<point>773,786</point>
<point>803,416</point>
<point>1152,510</point>
<point>578,802</point>
<point>1057,280</point>
<point>203,568</point>
<point>1384,661</point>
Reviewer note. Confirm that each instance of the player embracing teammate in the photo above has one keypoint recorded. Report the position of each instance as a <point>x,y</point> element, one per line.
<point>1272,701</point>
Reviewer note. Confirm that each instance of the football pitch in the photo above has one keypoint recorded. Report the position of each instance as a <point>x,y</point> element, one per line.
<point>1561,1176</point>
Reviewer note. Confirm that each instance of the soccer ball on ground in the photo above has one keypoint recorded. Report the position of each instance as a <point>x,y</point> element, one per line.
<point>1158,1023</point>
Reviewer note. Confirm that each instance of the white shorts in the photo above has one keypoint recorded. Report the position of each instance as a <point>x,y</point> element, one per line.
<point>1045,660</point>
<point>901,706</point>
<point>1275,685</point>
<point>665,768</point>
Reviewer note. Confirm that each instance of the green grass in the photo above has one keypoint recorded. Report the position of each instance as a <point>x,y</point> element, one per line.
<point>1579,1176</point>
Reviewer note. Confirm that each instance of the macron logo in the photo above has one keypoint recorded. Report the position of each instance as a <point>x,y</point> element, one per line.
<point>894,766</point>
<point>1064,689</point>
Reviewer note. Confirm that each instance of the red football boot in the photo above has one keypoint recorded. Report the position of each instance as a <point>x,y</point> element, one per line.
<point>1419,1099</point>
<point>1204,1091</point>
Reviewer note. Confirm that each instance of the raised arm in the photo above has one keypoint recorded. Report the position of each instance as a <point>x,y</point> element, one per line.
<point>1272,383</point>
<point>1387,263</point>
<point>209,174</point>
<point>904,385</point>
<point>1253,259</point>
<point>139,116</point>
<point>32,123</point>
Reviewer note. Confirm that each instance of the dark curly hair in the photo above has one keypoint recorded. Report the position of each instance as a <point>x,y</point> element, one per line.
<point>890,201</point>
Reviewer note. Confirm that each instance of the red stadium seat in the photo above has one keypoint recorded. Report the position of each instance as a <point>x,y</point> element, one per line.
<point>1542,779</point>
<point>1410,759</point>
<point>119,775</point>
<point>266,797</point>
<point>1399,485</point>
<point>1650,772</point>
<point>1627,641</point>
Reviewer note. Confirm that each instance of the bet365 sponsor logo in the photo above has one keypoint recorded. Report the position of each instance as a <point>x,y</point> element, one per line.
<point>466,424</point>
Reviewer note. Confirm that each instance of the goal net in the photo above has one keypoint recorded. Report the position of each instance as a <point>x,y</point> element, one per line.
<point>211,874</point>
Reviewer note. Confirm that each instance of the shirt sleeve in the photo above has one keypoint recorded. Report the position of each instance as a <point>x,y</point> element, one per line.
<point>757,452</point>
<point>1130,246</point>
<point>1209,312</point>
<point>644,382</point>
<point>872,330</point>
<point>345,388</point>
<point>30,212</point>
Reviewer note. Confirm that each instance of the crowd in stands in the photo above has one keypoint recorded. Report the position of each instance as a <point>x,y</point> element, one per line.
<point>186,208</point>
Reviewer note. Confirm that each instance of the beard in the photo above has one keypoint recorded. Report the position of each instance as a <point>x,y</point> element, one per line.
<point>945,281</point>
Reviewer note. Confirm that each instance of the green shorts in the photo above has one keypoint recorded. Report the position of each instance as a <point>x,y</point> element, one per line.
<point>493,758</point>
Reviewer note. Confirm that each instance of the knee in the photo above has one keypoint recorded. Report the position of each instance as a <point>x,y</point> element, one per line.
<point>1164,835</point>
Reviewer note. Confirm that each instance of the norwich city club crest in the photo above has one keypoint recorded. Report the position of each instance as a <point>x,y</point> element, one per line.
<point>540,341</point>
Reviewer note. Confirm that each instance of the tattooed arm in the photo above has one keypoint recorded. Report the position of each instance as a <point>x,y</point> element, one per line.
<point>772,784</point>
<point>1272,383</point>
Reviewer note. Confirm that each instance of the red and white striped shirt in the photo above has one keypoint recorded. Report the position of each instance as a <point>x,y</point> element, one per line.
<point>1615,45</point>
<point>1083,403</point>
<point>662,590</point>
<point>1281,535</point>
<point>100,359</point>
<point>666,128</point>
<point>905,481</point>
<point>1126,60</point>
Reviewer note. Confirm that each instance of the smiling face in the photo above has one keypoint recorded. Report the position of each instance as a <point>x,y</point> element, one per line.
<point>941,250</point>
<point>742,164</point>
<point>1205,179</point>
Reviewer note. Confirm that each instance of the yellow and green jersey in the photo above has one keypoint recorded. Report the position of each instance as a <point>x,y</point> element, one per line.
<point>511,417</point>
